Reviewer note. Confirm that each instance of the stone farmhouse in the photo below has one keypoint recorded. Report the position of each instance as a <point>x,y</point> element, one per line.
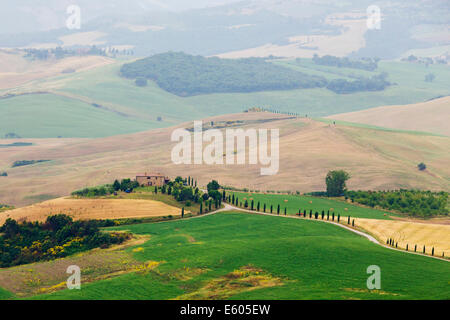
<point>152,179</point>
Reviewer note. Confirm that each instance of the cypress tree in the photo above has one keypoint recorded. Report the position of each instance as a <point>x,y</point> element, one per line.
<point>323,214</point>
<point>310,214</point>
<point>209,205</point>
<point>396,244</point>
<point>264,207</point>
<point>182,212</point>
<point>232,199</point>
<point>304,213</point>
<point>156,190</point>
<point>169,190</point>
<point>285,211</point>
<point>216,203</point>
<point>353,222</point>
<point>407,246</point>
<point>257,206</point>
<point>424,249</point>
<point>333,216</point>
<point>271,208</point>
<point>415,248</point>
<point>189,180</point>
<point>224,196</point>
<point>278,209</point>
<point>316,215</point>
<point>387,241</point>
<point>339,217</point>
<point>252,205</point>
<point>348,222</point>
<point>328,215</point>
<point>432,251</point>
<point>201,207</point>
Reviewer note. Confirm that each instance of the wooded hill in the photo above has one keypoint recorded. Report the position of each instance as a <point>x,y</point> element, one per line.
<point>187,75</point>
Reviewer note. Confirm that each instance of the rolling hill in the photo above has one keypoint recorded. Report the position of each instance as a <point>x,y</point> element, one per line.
<point>376,159</point>
<point>240,256</point>
<point>130,108</point>
<point>431,116</point>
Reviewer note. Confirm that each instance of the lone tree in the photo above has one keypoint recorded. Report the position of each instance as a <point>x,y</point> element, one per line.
<point>213,186</point>
<point>335,181</point>
<point>422,166</point>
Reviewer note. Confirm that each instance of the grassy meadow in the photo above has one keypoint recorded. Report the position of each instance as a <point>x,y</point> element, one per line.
<point>244,256</point>
<point>295,202</point>
<point>129,108</point>
<point>51,116</point>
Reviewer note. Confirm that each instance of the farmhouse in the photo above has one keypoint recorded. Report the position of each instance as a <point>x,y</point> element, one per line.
<point>153,179</point>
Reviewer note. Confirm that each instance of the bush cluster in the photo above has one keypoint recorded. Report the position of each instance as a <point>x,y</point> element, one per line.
<point>59,236</point>
<point>413,202</point>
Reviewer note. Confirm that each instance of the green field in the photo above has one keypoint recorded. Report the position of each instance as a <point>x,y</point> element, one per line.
<point>312,260</point>
<point>295,202</point>
<point>51,116</point>
<point>129,108</point>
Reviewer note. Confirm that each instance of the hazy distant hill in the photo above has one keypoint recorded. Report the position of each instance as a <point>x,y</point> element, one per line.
<point>250,27</point>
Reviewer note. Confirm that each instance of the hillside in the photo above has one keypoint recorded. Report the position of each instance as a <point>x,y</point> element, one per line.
<point>85,209</point>
<point>376,159</point>
<point>431,116</point>
<point>16,70</point>
<point>238,256</point>
<point>129,108</point>
<point>187,75</point>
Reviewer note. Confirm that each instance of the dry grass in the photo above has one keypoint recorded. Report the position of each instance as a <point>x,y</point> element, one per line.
<point>247,278</point>
<point>376,160</point>
<point>16,70</point>
<point>83,209</point>
<point>411,233</point>
<point>415,117</point>
<point>89,38</point>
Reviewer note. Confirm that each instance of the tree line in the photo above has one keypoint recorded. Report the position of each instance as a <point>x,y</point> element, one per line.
<point>369,64</point>
<point>414,202</point>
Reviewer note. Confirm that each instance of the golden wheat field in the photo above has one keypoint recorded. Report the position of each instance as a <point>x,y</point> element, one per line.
<point>416,117</point>
<point>83,209</point>
<point>411,233</point>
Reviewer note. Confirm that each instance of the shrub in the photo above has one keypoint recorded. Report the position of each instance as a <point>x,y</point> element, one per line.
<point>141,82</point>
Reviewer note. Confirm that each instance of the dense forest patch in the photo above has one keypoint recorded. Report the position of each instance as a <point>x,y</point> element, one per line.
<point>186,75</point>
